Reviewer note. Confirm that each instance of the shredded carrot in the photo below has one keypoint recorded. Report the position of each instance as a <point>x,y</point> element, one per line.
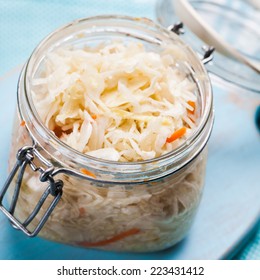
<point>82,211</point>
<point>22,123</point>
<point>193,105</point>
<point>87,172</point>
<point>176,134</point>
<point>94,117</point>
<point>115,238</point>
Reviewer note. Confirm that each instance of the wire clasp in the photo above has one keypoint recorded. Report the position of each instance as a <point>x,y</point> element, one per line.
<point>208,51</point>
<point>27,156</point>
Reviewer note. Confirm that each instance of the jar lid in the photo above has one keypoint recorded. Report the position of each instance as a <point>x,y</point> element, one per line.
<point>237,22</point>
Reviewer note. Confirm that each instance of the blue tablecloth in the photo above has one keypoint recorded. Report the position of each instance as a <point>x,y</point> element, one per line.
<point>23,23</point>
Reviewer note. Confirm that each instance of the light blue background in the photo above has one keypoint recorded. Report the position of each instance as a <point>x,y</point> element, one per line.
<point>23,23</point>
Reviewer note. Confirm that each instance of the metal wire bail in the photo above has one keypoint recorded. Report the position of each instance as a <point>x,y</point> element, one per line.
<point>25,156</point>
<point>208,51</point>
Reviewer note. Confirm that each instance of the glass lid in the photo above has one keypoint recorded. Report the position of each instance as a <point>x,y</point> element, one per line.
<point>237,22</point>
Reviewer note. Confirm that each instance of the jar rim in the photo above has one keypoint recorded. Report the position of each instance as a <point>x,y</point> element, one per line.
<point>87,160</point>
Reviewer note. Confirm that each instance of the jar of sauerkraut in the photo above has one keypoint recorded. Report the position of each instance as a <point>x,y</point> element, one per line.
<point>109,142</point>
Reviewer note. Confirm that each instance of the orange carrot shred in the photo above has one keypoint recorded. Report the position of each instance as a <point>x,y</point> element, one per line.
<point>176,134</point>
<point>87,172</point>
<point>115,238</point>
<point>22,123</point>
<point>94,117</point>
<point>82,211</point>
<point>193,105</point>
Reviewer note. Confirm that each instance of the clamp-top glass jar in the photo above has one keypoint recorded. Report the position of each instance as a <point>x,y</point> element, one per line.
<point>139,206</point>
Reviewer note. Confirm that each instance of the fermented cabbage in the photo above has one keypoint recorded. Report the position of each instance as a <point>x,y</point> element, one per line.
<point>117,101</point>
<point>121,103</point>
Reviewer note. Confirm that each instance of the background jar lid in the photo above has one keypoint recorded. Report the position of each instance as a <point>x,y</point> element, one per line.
<point>237,22</point>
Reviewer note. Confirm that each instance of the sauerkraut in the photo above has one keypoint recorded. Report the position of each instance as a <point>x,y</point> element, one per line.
<point>145,217</point>
<point>117,101</point>
<point>122,103</point>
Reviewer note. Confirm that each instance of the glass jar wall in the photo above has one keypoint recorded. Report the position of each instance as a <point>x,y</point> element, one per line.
<point>126,206</point>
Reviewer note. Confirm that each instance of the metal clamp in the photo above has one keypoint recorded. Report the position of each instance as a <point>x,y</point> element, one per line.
<point>177,28</point>
<point>25,156</point>
<point>208,54</point>
<point>208,51</point>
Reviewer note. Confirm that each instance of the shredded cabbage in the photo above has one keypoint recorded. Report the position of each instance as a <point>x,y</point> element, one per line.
<point>122,103</point>
<point>117,102</point>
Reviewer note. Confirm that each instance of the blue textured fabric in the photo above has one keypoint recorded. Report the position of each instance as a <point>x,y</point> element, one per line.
<point>252,249</point>
<point>23,23</point>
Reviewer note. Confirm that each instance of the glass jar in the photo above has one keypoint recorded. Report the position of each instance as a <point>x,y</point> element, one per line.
<point>134,206</point>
